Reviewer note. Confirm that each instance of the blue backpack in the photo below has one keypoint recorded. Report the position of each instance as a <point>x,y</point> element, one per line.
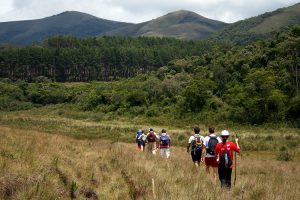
<point>138,134</point>
<point>164,140</point>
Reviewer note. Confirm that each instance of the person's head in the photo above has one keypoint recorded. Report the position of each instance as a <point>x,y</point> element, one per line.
<point>197,130</point>
<point>211,130</point>
<point>143,131</point>
<point>151,129</point>
<point>163,131</point>
<point>224,135</point>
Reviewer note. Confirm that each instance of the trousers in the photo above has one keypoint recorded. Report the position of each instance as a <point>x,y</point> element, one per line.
<point>225,176</point>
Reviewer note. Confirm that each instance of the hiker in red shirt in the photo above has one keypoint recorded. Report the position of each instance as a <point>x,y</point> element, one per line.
<point>225,152</point>
<point>151,141</point>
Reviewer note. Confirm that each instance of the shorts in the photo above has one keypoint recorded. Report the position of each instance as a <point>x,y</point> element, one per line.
<point>151,147</point>
<point>165,152</point>
<point>140,144</point>
<point>211,161</point>
<point>196,155</point>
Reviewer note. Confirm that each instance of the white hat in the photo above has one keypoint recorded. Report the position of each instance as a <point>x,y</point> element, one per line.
<point>224,133</point>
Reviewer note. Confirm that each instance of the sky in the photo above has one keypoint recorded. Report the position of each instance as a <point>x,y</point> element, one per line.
<point>136,11</point>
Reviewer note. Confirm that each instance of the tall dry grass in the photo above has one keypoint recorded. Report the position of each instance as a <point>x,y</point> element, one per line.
<point>38,165</point>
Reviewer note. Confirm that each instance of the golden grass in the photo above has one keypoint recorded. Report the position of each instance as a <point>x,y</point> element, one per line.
<point>38,165</point>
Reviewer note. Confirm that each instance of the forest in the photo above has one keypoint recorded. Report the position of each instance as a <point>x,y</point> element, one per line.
<point>71,59</point>
<point>158,77</point>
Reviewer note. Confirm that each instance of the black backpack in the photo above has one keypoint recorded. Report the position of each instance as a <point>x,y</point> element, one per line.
<point>225,159</point>
<point>212,143</point>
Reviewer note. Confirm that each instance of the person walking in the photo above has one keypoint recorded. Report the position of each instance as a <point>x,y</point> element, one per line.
<point>225,152</point>
<point>210,143</point>
<point>196,144</point>
<point>137,139</point>
<point>142,139</point>
<point>151,141</point>
<point>164,143</point>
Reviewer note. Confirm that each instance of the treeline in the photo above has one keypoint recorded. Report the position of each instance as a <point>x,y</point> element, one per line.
<point>255,84</point>
<point>66,59</point>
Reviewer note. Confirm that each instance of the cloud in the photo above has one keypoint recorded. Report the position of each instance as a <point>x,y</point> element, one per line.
<point>139,10</point>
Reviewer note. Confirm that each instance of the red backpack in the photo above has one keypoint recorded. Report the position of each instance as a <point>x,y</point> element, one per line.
<point>151,137</point>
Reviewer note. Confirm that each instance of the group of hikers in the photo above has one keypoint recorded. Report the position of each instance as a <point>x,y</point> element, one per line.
<point>216,152</point>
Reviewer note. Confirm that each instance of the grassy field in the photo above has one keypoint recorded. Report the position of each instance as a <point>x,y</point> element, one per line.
<point>45,154</point>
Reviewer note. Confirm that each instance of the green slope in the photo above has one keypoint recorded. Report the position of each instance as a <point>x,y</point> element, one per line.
<point>261,27</point>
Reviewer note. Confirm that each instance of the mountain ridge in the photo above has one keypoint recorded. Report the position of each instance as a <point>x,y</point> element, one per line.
<point>181,24</point>
<point>66,23</point>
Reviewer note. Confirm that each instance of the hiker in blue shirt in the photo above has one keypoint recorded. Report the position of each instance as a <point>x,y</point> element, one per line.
<point>142,140</point>
<point>138,141</point>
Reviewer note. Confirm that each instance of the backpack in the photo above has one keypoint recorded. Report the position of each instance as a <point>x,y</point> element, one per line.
<point>212,143</point>
<point>143,138</point>
<point>164,140</point>
<point>151,137</point>
<point>225,160</point>
<point>197,143</point>
<point>138,134</point>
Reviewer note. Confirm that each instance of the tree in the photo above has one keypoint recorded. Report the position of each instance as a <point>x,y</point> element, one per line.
<point>196,94</point>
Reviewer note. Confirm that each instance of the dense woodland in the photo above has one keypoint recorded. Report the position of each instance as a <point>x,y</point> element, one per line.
<point>69,58</point>
<point>255,84</point>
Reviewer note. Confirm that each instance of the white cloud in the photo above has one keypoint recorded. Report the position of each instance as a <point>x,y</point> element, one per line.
<point>139,10</point>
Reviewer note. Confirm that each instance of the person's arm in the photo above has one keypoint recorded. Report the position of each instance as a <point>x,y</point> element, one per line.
<point>188,147</point>
<point>237,147</point>
<point>217,149</point>
<point>203,150</point>
<point>189,144</point>
<point>205,143</point>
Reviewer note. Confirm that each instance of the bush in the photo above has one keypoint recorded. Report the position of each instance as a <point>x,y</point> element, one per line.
<point>10,104</point>
<point>294,109</point>
<point>45,93</point>
<point>284,154</point>
<point>11,91</point>
<point>42,79</point>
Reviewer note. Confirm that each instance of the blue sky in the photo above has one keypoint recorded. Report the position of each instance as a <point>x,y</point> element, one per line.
<point>136,11</point>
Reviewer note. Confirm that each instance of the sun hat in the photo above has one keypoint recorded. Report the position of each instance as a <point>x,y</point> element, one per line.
<point>224,133</point>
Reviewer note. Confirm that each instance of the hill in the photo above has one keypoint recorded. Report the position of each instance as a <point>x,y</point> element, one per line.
<point>181,24</point>
<point>261,27</point>
<point>66,23</point>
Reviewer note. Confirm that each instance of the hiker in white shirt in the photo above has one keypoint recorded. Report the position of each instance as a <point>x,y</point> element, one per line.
<point>210,143</point>
<point>196,142</point>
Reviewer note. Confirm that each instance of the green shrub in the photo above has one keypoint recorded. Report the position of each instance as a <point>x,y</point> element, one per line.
<point>284,154</point>
<point>48,93</point>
